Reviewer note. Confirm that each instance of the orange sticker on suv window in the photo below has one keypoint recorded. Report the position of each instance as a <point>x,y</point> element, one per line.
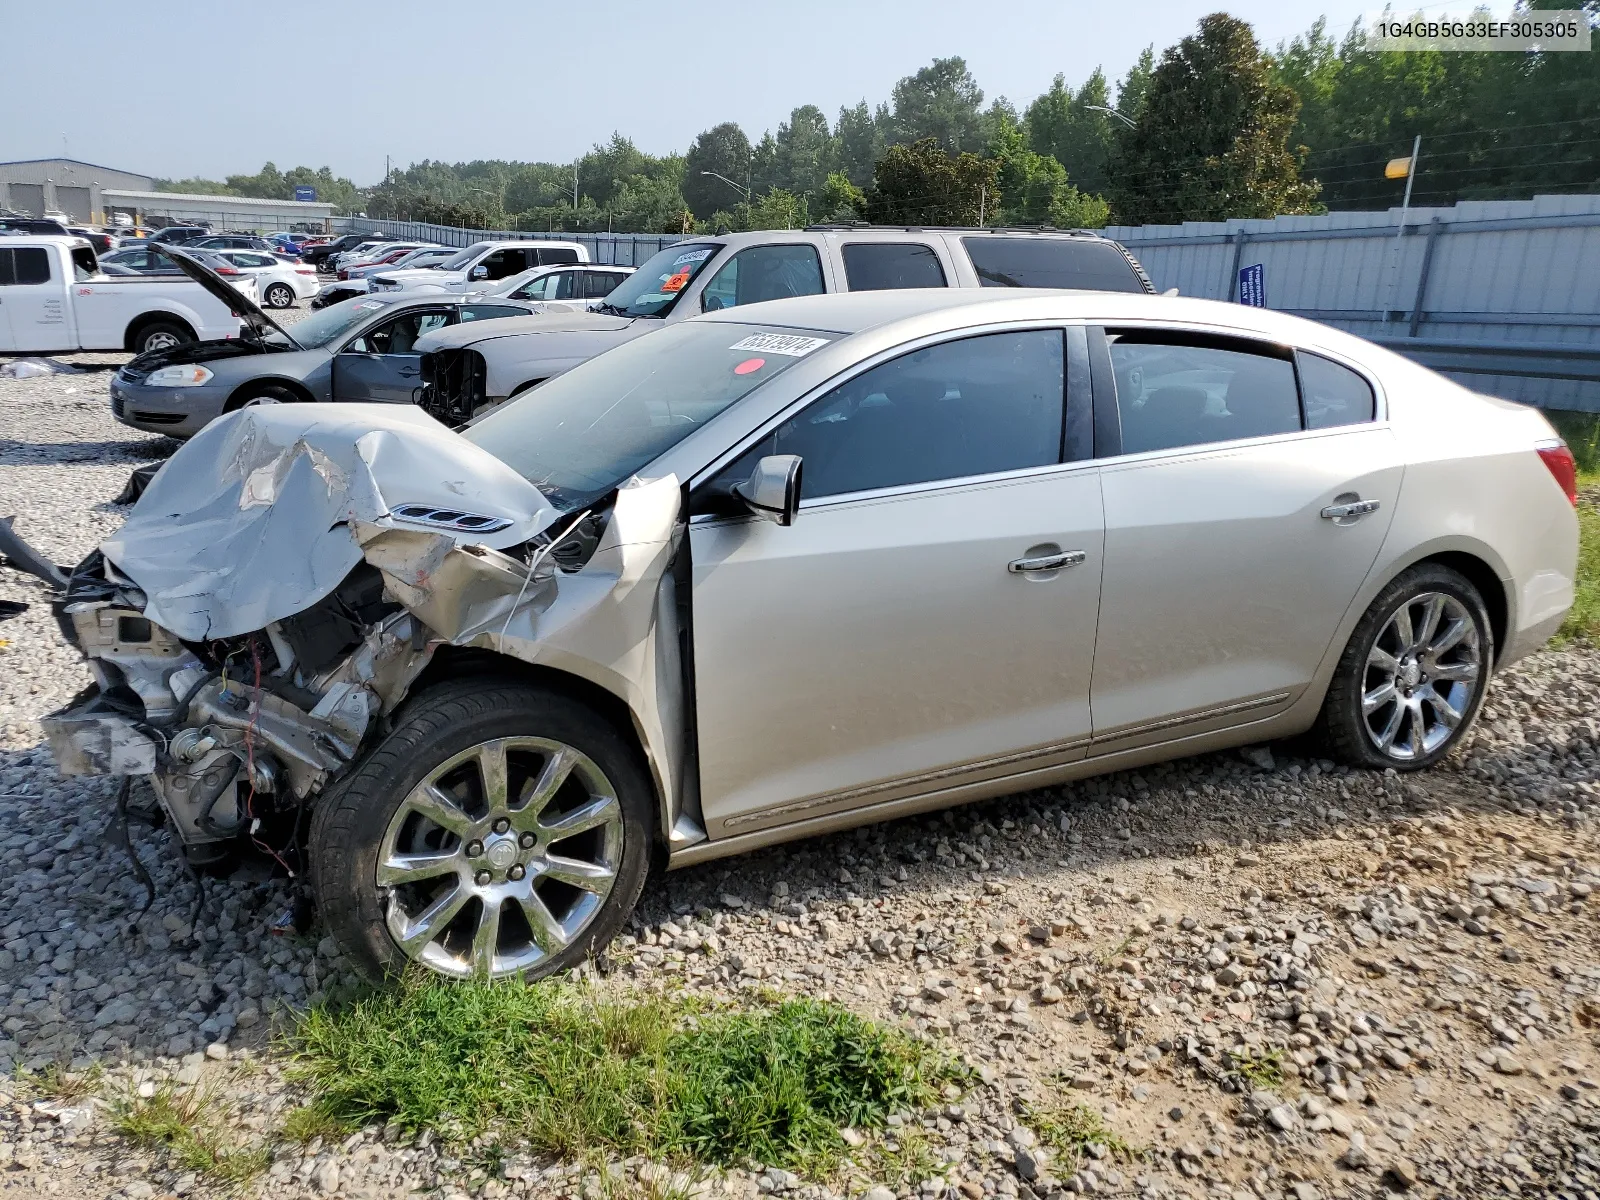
<point>676,283</point>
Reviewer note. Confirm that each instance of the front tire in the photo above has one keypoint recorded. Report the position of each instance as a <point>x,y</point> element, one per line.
<point>499,830</point>
<point>264,393</point>
<point>279,295</point>
<point>1413,677</point>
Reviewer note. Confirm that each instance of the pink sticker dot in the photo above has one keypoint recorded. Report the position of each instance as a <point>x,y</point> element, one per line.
<point>749,365</point>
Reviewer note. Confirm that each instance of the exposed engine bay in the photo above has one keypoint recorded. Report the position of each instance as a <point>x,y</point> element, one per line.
<point>282,585</point>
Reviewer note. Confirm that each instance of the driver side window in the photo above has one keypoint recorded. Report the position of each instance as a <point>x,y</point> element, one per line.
<point>764,273</point>
<point>400,335</point>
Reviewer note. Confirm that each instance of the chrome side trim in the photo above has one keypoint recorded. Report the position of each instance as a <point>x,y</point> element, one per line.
<point>874,789</point>
<point>1190,718</point>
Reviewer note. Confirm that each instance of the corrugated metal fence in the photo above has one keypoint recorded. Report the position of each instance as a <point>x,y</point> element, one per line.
<point>1502,295</point>
<point>623,249</point>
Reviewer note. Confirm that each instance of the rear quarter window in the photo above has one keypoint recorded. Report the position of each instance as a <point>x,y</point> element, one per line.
<point>1040,262</point>
<point>32,264</point>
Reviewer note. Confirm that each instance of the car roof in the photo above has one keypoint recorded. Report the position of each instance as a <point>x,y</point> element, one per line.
<point>936,310</point>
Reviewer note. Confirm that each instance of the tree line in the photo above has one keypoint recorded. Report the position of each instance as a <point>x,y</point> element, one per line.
<point>1216,126</point>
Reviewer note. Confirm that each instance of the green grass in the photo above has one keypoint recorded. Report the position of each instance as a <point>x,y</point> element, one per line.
<point>1263,1070</point>
<point>1069,1129</point>
<point>1584,619</point>
<point>573,1072</point>
<point>179,1121</point>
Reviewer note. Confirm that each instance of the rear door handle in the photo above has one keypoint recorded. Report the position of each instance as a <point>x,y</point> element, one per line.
<point>1352,508</point>
<point>1046,562</point>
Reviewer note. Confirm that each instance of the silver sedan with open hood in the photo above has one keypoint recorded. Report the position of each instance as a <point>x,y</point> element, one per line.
<point>793,567</point>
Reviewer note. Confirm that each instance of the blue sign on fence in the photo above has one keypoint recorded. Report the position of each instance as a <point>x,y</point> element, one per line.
<point>305,193</point>
<point>1253,286</point>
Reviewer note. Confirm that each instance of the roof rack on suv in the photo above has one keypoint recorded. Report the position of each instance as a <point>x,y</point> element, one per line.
<point>831,226</point>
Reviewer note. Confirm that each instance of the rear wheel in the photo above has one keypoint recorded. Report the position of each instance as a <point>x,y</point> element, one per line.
<point>499,830</point>
<point>279,295</point>
<point>1412,679</point>
<point>161,335</point>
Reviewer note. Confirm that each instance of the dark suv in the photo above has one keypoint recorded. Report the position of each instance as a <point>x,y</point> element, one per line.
<point>318,256</point>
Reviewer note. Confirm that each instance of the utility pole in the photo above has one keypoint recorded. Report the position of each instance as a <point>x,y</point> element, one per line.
<point>574,185</point>
<point>1391,171</point>
<point>983,200</point>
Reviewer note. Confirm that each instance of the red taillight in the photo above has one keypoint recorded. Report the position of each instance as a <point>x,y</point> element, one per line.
<point>228,271</point>
<point>1562,465</point>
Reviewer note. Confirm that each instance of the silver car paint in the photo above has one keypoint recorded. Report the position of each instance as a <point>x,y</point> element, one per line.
<point>858,578</point>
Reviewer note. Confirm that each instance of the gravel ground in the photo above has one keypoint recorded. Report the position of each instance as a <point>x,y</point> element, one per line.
<point>1271,977</point>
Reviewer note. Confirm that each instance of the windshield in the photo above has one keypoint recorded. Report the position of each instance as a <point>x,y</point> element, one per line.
<point>583,433</point>
<point>655,287</point>
<point>326,324</point>
<point>461,259</point>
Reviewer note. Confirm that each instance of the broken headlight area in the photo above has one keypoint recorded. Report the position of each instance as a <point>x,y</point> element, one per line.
<point>230,729</point>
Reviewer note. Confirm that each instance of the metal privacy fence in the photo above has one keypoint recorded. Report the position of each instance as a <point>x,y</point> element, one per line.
<point>1502,295</point>
<point>622,249</point>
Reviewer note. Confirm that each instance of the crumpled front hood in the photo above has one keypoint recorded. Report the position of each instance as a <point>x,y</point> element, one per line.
<point>253,519</point>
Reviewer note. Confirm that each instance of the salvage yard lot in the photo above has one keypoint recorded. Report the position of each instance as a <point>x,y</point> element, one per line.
<point>1221,977</point>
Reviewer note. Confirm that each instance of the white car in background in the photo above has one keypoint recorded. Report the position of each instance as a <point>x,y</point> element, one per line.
<point>355,279</point>
<point>480,265</point>
<point>372,252</point>
<point>279,283</point>
<point>583,284</point>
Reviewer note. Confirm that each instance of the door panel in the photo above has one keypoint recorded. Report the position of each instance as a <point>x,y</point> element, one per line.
<point>35,302</point>
<point>380,366</point>
<point>884,639</point>
<point>1223,583</point>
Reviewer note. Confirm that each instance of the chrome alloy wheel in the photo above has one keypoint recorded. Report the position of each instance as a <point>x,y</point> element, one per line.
<point>500,858</point>
<point>1423,673</point>
<point>160,341</point>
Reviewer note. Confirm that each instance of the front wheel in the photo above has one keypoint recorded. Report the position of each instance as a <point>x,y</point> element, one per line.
<point>1412,679</point>
<point>279,295</point>
<point>499,830</point>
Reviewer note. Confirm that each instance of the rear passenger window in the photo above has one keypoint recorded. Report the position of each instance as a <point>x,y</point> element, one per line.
<point>1334,395</point>
<point>970,407</point>
<point>1176,393</point>
<point>32,264</point>
<point>879,266</point>
<point>1089,264</point>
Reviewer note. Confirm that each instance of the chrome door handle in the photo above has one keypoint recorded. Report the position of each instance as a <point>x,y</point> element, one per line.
<point>1046,562</point>
<point>1355,508</point>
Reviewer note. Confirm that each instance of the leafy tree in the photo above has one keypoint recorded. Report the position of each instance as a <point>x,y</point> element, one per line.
<point>859,134</point>
<point>1036,187</point>
<point>272,184</point>
<point>922,184</point>
<point>806,153</point>
<point>841,200</point>
<point>725,150</point>
<point>1131,91</point>
<point>1062,124</point>
<point>939,102</point>
<point>777,209</point>
<point>1210,140</point>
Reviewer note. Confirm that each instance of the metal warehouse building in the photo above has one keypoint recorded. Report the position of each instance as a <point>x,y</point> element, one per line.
<point>220,212</point>
<point>39,185</point>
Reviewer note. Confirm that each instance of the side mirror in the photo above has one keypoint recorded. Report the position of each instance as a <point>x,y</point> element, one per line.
<point>480,272</point>
<point>773,490</point>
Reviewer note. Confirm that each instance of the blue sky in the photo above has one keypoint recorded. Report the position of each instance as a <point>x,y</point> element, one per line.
<point>209,89</point>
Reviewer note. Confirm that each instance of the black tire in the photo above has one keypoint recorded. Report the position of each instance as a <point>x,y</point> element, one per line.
<point>262,393</point>
<point>279,295</point>
<point>1343,727</point>
<point>159,335</point>
<point>349,826</point>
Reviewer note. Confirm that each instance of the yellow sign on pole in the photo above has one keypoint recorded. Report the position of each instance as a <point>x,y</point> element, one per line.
<point>1397,168</point>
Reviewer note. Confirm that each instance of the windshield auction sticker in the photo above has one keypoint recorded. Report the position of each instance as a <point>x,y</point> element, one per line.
<point>1538,29</point>
<point>780,343</point>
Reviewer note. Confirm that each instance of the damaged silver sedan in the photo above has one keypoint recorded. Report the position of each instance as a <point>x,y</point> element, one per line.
<point>780,571</point>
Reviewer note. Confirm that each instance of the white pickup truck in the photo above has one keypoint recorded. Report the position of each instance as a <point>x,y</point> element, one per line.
<point>54,298</point>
